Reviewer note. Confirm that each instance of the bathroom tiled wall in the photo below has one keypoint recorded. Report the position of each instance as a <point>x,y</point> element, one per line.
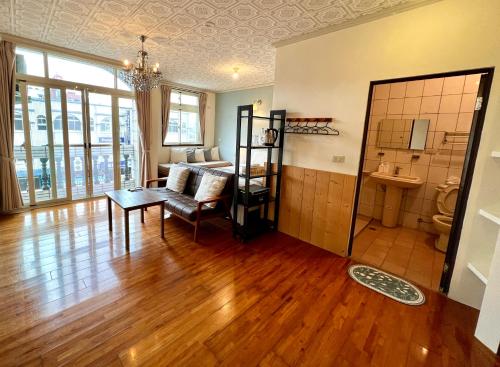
<point>449,105</point>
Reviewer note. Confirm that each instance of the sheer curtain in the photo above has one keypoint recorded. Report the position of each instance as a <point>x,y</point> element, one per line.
<point>143,103</point>
<point>203,108</point>
<point>165,109</point>
<point>10,194</point>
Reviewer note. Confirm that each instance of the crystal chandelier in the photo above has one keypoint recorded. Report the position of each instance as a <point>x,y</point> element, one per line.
<point>141,76</point>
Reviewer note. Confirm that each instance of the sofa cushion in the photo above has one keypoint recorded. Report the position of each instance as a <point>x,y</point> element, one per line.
<point>178,155</point>
<point>196,174</point>
<point>190,155</point>
<point>177,178</point>
<point>210,187</point>
<point>182,205</point>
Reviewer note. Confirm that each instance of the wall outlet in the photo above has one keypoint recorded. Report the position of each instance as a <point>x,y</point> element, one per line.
<point>338,159</point>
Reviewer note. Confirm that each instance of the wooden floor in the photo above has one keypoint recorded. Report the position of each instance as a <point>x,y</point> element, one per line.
<point>70,295</point>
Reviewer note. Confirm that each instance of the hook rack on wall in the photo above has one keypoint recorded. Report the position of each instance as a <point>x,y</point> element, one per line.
<point>310,126</point>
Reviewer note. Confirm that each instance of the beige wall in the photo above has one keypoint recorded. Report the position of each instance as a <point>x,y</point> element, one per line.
<point>161,154</point>
<point>330,75</point>
<point>449,104</point>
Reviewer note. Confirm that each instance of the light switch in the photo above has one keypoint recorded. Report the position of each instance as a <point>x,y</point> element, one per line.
<point>338,159</point>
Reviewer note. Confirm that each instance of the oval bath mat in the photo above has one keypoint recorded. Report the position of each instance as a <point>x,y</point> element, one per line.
<point>389,285</point>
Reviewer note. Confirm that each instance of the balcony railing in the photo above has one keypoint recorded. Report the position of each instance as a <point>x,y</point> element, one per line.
<point>102,171</point>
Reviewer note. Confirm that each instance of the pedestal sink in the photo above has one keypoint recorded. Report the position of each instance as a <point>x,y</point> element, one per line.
<point>395,184</point>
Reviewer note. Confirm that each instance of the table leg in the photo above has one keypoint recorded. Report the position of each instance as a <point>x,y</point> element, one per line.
<point>127,235</point>
<point>142,215</point>
<point>162,219</point>
<point>110,215</point>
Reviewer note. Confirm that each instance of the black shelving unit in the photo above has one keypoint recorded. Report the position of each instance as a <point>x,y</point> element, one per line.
<point>250,196</point>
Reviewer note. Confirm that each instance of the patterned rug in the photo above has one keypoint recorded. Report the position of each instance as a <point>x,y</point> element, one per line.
<point>387,284</point>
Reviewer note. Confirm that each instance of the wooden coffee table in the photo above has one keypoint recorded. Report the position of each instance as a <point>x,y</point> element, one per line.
<point>132,200</point>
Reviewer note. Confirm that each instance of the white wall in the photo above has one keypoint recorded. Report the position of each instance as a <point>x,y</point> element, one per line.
<point>329,76</point>
<point>161,154</point>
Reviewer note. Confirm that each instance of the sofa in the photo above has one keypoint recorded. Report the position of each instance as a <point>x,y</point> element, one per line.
<point>184,206</point>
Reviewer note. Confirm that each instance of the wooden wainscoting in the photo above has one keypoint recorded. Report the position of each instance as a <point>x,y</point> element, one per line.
<point>316,206</point>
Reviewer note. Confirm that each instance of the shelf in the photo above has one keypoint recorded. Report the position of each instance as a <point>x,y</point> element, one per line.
<point>259,147</point>
<point>257,176</point>
<point>495,154</point>
<point>478,273</point>
<point>263,118</point>
<point>492,213</point>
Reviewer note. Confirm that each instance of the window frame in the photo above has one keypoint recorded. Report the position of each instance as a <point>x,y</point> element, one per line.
<point>180,144</point>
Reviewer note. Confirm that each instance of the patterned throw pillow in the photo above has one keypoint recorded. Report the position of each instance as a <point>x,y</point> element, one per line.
<point>178,155</point>
<point>177,178</point>
<point>199,155</point>
<point>190,155</point>
<point>210,186</point>
<point>214,152</point>
<point>208,155</point>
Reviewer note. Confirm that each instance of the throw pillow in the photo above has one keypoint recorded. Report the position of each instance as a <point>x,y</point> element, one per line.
<point>177,178</point>
<point>214,152</point>
<point>208,155</point>
<point>210,186</point>
<point>190,155</point>
<point>178,155</point>
<point>199,155</point>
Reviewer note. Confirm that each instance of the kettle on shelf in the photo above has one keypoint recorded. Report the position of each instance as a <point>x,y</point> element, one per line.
<point>269,137</point>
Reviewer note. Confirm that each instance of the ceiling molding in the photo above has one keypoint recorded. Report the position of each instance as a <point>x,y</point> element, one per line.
<point>355,22</point>
<point>246,88</point>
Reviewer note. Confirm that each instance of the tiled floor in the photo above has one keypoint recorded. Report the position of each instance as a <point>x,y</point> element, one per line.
<point>402,251</point>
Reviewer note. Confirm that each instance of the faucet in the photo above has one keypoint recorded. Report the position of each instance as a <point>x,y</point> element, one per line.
<point>396,170</point>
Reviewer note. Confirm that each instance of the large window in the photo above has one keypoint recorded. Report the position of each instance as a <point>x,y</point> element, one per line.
<point>184,121</point>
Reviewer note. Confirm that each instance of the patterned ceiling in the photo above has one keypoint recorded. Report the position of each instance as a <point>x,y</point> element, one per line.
<point>197,42</point>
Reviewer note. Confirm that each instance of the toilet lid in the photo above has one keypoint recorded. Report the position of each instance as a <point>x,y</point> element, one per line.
<point>447,199</point>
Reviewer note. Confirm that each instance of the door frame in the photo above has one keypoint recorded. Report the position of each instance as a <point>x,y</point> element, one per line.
<point>467,173</point>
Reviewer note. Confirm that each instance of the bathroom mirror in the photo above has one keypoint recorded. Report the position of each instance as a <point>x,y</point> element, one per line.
<point>419,134</point>
<point>402,134</point>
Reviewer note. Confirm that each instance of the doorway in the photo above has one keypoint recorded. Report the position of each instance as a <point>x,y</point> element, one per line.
<point>73,143</point>
<point>419,148</point>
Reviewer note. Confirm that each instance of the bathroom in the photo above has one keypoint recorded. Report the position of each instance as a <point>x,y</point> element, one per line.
<point>418,134</point>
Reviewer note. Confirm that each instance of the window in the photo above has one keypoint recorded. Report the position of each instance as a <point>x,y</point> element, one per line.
<point>79,71</point>
<point>29,62</point>
<point>184,120</point>
<point>18,121</point>
<point>74,123</point>
<point>41,122</point>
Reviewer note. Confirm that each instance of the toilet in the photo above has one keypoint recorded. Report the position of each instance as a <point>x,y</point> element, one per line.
<point>445,202</point>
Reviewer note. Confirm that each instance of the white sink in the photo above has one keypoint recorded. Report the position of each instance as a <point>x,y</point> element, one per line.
<point>394,193</point>
<point>404,182</point>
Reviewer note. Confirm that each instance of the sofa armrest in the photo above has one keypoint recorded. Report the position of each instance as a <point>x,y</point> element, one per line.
<point>159,179</point>
<point>222,199</point>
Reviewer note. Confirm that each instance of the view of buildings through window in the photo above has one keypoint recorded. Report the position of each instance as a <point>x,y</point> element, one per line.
<point>184,120</point>
<point>64,136</point>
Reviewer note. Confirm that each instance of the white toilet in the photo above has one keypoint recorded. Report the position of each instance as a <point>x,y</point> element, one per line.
<point>445,202</point>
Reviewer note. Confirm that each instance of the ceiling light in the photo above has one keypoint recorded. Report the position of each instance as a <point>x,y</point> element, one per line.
<point>141,76</point>
<point>236,75</point>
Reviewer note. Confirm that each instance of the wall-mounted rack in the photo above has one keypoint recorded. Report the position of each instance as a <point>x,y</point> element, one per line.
<point>449,137</point>
<point>310,126</point>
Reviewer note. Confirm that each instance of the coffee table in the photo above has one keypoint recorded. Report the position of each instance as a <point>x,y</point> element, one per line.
<point>132,200</point>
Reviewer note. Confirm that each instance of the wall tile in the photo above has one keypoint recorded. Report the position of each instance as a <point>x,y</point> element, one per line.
<point>379,198</point>
<point>410,220</point>
<point>457,172</point>
<point>419,171</point>
<point>450,104</point>
<point>372,138</point>
<point>415,88</point>
<point>374,120</point>
<point>371,165</point>
<point>403,156</point>
<point>414,204</point>
<point>468,103</point>
<point>441,159</point>
<point>423,158</point>
<point>398,90</point>
<point>395,106</point>
<point>429,207</point>
<point>464,121</point>
<point>430,191</point>
<point>472,83</point>
<point>447,122</point>
<point>437,175</point>
<point>382,91</point>
<point>430,104</point>
<point>377,212</point>
<point>433,87</point>
<point>454,85</point>
<point>372,153</point>
<point>412,105</point>
<point>389,155</point>
<point>380,107</point>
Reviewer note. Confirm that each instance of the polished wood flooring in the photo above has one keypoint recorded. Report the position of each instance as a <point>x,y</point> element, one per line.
<point>405,252</point>
<point>71,295</point>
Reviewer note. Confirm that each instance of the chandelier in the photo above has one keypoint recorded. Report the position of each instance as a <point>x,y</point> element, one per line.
<point>141,76</point>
